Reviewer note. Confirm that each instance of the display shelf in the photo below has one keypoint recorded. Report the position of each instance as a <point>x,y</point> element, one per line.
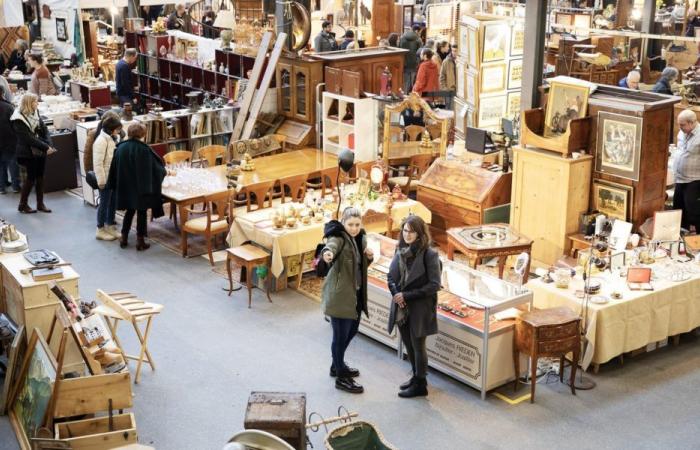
<point>363,113</point>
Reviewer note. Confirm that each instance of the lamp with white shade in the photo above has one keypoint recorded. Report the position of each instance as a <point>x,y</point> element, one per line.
<point>225,20</point>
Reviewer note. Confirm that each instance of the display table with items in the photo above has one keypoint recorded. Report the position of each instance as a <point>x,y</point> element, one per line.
<point>476,314</point>
<point>639,317</point>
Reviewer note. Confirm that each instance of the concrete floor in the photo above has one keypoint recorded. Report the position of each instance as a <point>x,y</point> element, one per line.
<point>211,351</point>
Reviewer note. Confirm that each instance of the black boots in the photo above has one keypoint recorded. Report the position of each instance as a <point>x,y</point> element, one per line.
<point>408,384</point>
<point>23,206</point>
<point>419,388</point>
<point>40,196</point>
<point>348,385</point>
<point>349,372</point>
<point>124,241</point>
<point>141,243</point>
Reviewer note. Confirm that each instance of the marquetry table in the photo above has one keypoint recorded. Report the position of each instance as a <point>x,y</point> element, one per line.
<point>486,241</point>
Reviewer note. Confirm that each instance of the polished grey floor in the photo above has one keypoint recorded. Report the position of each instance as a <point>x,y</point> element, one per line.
<point>211,351</point>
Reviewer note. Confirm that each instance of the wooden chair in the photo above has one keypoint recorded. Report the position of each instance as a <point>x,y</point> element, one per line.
<point>378,222</point>
<point>217,208</point>
<point>124,306</point>
<point>296,186</point>
<point>361,170</point>
<point>262,192</point>
<point>248,257</point>
<point>211,153</point>
<point>414,132</point>
<point>417,166</point>
<point>435,130</point>
<point>177,156</point>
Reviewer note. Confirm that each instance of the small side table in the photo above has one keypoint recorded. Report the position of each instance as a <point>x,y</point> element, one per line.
<point>248,257</point>
<point>578,243</point>
<point>486,241</point>
<point>547,333</point>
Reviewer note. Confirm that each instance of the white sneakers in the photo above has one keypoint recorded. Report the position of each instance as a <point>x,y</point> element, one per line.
<point>108,233</point>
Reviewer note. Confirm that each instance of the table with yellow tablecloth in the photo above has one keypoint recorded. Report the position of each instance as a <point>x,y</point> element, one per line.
<point>256,226</point>
<point>638,319</point>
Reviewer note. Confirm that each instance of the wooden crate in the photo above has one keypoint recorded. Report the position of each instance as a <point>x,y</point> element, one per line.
<point>280,413</point>
<point>549,193</point>
<point>95,434</point>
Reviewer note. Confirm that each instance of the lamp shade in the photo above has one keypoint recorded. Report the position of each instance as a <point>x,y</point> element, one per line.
<point>225,19</point>
<point>346,159</point>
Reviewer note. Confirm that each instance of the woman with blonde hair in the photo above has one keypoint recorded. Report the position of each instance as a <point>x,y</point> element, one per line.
<point>344,295</point>
<point>33,145</point>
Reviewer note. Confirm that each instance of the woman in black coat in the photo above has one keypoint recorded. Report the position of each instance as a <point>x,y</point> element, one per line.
<point>136,176</point>
<point>414,281</point>
<point>33,145</point>
<point>8,146</point>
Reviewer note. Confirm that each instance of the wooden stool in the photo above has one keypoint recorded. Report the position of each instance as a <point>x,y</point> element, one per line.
<point>547,332</point>
<point>247,256</point>
<point>118,306</point>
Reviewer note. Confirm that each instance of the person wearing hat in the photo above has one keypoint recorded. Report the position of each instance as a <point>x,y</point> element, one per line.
<point>349,41</point>
<point>325,40</point>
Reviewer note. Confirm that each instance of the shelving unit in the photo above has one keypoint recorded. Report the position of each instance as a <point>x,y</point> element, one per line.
<point>346,122</point>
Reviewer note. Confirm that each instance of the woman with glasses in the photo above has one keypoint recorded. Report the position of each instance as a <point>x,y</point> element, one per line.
<point>414,281</point>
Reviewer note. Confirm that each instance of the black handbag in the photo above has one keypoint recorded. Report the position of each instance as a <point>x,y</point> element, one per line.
<point>91,179</point>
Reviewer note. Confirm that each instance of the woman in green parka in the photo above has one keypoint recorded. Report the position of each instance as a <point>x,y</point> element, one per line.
<point>345,290</point>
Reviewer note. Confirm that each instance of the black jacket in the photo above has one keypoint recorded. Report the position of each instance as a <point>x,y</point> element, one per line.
<point>420,292</point>
<point>411,42</point>
<point>16,59</point>
<point>8,143</point>
<point>662,86</point>
<point>136,175</point>
<point>26,139</point>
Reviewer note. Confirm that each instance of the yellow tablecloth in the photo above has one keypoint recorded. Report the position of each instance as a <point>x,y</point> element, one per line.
<point>257,227</point>
<point>638,319</point>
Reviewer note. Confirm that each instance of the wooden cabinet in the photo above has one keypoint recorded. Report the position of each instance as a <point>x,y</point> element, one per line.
<point>655,114</point>
<point>459,194</point>
<point>383,20</point>
<point>549,194</point>
<point>297,79</point>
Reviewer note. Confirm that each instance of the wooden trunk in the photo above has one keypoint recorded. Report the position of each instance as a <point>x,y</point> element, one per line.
<point>280,413</point>
<point>459,194</point>
<point>655,111</point>
<point>549,194</point>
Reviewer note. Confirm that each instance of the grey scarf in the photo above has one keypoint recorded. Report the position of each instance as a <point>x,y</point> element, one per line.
<point>406,260</point>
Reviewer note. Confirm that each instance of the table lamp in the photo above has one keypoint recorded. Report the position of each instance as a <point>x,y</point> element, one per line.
<point>225,20</point>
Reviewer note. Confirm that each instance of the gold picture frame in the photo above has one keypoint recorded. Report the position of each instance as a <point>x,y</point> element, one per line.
<point>363,186</point>
<point>471,87</point>
<point>619,145</point>
<point>463,42</point>
<point>495,41</point>
<point>492,110</point>
<point>515,74</point>
<point>461,79</point>
<point>564,103</point>
<point>517,39</point>
<point>473,45</point>
<point>461,111</point>
<point>493,78</point>
<point>513,109</point>
<point>613,199</point>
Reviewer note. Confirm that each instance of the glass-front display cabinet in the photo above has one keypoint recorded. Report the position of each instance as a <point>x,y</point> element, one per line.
<point>476,319</point>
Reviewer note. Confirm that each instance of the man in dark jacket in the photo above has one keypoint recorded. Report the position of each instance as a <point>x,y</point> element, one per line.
<point>411,42</point>
<point>180,19</point>
<point>122,77</point>
<point>8,146</point>
<point>325,40</point>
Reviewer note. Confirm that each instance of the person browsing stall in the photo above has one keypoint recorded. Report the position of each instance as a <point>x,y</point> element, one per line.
<point>179,19</point>
<point>325,40</point>
<point>631,81</point>
<point>663,85</point>
<point>428,78</point>
<point>414,281</point>
<point>102,155</point>
<point>344,295</point>
<point>123,77</point>
<point>686,170</point>
<point>42,80</point>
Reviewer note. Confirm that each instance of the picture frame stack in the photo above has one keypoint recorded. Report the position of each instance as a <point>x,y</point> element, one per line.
<point>489,71</point>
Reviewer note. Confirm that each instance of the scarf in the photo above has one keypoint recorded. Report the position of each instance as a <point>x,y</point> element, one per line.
<point>32,120</point>
<point>407,256</point>
<point>358,263</point>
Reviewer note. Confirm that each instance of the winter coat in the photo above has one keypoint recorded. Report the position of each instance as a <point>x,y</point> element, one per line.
<point>427,79</point>
<point>28,138</point>
<point>8,143</point>
<point>87,153</point>
<point>42,82</point>
<point>419,292</point>
<point>324,42</point>
<point>411,42</point>
<point>662,86</point>
<point>136,176</point>
<point>102,154</point>
<point>17,60</point>
<point>448,75</point>
<point>339,296</point>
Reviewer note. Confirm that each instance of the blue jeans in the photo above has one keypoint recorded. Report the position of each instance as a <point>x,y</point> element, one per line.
<point>106,209</point>
<point>343,332</point>
<point>13,167</point>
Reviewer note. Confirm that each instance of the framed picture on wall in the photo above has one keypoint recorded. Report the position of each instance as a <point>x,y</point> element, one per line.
<point>61,31</point>
<point>461,112</point>
<point>473,43</point>
<point>618,145</point>
<point>492,110</point>
<point>513,109</point>
<point>564,103</point>
<point>495,41</point>
<point>517,39</point>
<point>612,199</point>
<point>493,78</point>
<point>463,40</point>
<point>515,74</point>
<point>471,87</point>
<point>461,92</point>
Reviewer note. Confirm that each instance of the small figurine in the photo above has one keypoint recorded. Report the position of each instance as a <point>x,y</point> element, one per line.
<point>221,68</point>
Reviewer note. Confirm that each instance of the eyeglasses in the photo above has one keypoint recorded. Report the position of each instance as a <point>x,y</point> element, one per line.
<point>409,231</point>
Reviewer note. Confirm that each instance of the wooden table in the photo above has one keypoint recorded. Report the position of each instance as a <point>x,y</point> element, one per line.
<point>578,242</point>
<point>299,162</point>
<point>400,152</point>
<point>508,242</point>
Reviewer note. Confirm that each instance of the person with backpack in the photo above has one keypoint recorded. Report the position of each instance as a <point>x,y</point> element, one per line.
<point>414,281</point>
<point>344,295</point>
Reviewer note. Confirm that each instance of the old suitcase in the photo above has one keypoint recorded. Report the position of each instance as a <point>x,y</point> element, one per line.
<point>333,79</point>
<point>352,83</point>
<point>280,413</point>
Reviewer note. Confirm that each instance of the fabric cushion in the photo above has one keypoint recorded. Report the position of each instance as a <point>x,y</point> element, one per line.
<point>200,224</point>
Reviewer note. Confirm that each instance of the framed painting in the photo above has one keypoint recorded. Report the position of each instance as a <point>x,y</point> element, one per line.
<point>14,356</point>
<point>582,24</point>
<point>460,73</point>
<point>32,393</point>
<point>473,43</point>
<point>513,109</point>
<point>495,41</point>
<point>515,74</point>
<point>61,31</point>
<point>463,42</point>
<point>493,78</point>
<point>565,19</point>
<point>492,110</point>
<point>564,103</point>
<point>619,145</point>
<point>461,112</point>
<point>471,81</point>
<point>612,199</point>
<point>517,39</point>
